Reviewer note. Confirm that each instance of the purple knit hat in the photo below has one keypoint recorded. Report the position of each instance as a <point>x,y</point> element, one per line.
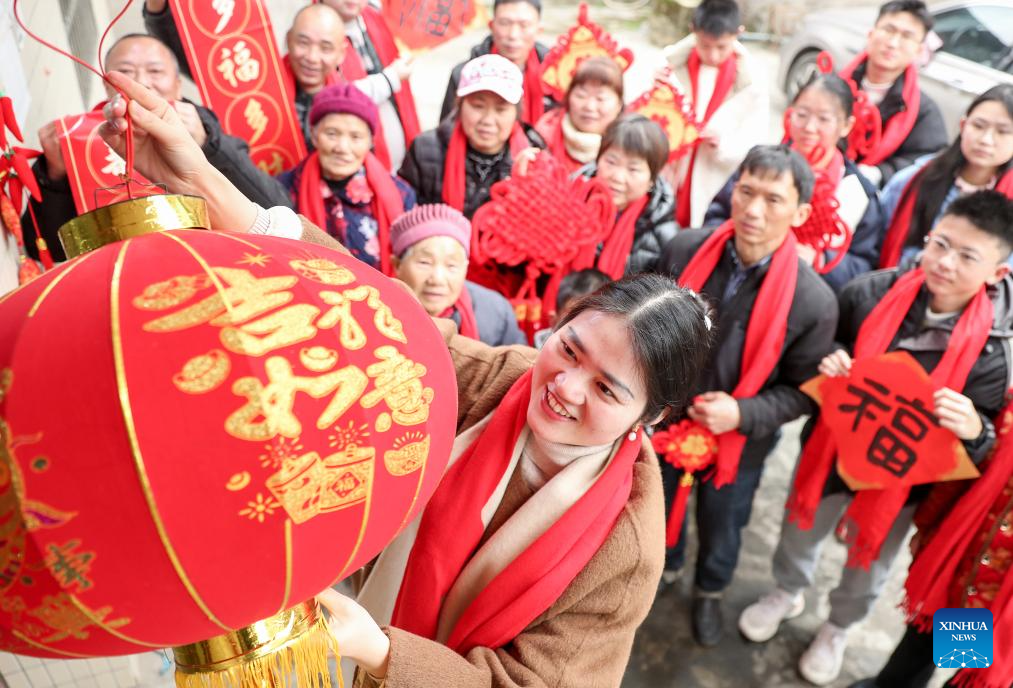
<point>344,99</point>
<point>424,221</point>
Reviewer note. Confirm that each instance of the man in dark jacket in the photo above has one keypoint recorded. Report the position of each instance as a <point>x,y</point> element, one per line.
<point>152,64</point>
<point>512,32</point>
<point>866,236</point>
<point>770,197</point>
<point>965,251</point>
<point>894,44</point>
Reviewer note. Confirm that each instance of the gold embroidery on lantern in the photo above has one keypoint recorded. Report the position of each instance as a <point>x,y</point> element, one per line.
<point>384,320</point>
<point>258,259</point>
<point>268,411</point>
<point>203,373</point>
<point>309,485</point>
<point>350,333</point>
<point>6,380</point>
<point>68,566</point>
<point>259,508</point>
<point>171,292</point>
<point>67,621</point>
<point>290,325</point>
<point>238,482</point>
<point>408,455</point>
<point>383,422</point>
<point>245,298</point>
<point>323,271</point>
<point>350,436</point>
<point>396,382</point>
<point>319,359</point>
<point>109,628</point>
<point>280,450</point>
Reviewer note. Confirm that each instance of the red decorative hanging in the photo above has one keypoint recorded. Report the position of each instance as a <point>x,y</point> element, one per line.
<point>668,107</point>
<point>691,448</point>
<point>582,40</point>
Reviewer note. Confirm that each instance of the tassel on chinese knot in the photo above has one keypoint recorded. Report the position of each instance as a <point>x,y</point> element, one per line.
<point>691,448</point>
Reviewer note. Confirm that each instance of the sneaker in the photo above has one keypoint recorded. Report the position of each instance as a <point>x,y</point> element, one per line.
<point>759,621</point>
<point>821,662</point>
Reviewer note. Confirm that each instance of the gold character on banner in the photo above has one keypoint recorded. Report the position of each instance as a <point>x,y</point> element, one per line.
<point>237,64</point>
<point>256,119</point>
<point>115,165</point>
<point>268,409</point>
<point>224,9</point>
<point>244,298</point>
<point>275,167</point>
<point>397,382</point>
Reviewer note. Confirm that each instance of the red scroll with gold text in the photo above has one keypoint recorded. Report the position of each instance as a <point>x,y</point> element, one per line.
<point>234,60</point>
<point>94,170</point>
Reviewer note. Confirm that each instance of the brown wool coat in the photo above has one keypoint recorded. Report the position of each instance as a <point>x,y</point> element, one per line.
<point>584,639</point>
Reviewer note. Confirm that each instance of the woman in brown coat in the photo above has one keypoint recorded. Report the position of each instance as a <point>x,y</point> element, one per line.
<point>540,552</point>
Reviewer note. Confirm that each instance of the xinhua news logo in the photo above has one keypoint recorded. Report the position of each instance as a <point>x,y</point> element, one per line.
<point>962,638</point>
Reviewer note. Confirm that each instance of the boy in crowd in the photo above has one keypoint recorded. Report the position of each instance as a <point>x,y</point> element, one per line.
<point>953,314</point>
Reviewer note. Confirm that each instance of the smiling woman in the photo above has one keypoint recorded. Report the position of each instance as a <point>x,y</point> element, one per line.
<point>541,550</point>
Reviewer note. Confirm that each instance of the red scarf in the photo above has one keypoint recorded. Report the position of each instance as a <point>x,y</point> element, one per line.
<point>874,511</point>
<point>765,334</point>
<point>293,86</point>
<point>616,249</point>
<point>454,166</point>
<point>464,308</point>
<point>899,230</point>
<point>451,529</point>
<point>353,70</point>
<point>727,73</point>
<point>935,567</point>
<point>550,126</point>
<point>532,103</point>
<point>898,127</point>
<point>386,206</point>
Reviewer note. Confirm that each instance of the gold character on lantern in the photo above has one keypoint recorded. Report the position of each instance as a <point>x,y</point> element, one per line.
<point>60,614</point>
<point>244,298</point>
<point>290,325</point>
<point>268,409</point>
<point>69,566</point>
<point>397,382</point>
<point>350,333</point>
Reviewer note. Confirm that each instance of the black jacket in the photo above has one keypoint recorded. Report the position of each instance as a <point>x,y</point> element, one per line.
<point>927,136</point>
<point>862,255</point>
<point>229,154</point>
<point>812,322</point>
<point>989,378</point>
<point>483,48</point>
<point>423,167</point>
<point>654,228</point>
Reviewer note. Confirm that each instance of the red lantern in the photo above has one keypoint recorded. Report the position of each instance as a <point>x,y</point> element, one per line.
<point>201,430</point>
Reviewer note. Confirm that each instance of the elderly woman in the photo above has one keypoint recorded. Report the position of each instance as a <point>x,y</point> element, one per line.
<point>342,187</point>
<point>593,101</point>
<point>458,162</point>
<point>633,151</point>
<point>539,554</point>
<point>430,245</point>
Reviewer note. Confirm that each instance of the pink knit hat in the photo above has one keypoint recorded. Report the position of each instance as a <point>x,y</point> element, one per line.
<point>424,221</point>
<point>344,99</point>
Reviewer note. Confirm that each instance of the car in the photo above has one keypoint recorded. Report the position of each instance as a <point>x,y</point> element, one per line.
<point>976,51</point>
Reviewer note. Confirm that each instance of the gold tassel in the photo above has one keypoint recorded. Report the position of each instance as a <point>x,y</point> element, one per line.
<point>289,649</point>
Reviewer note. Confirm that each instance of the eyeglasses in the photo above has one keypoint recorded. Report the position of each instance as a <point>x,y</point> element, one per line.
<point>889,31</point>
<point>940,247</point>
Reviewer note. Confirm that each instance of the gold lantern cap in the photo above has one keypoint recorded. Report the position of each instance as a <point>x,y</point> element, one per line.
<point>131,218</point>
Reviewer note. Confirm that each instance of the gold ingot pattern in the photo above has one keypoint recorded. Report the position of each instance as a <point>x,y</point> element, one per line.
<point>238,482</point>
<point>383,422</point>
<point>408,455</point>
<point>323,271</point>
<point>310,486</point>
<point>203,373</point>
<point>171,292</point>
<point>319,359</point>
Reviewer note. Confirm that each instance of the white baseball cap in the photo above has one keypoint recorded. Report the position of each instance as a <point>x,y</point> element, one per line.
<point>492,73</point>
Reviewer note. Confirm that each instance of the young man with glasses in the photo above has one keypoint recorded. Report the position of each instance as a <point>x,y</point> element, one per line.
<point>515,25</point>
<point>886,70</point>
<point>955,311</point>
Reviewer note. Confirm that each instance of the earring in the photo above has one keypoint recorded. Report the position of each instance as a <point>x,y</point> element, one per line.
<point>632,437</point>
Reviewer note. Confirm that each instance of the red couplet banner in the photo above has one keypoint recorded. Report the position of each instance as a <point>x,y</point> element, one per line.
<point>94,170</point>
<point>235,63</point>
<point>420,24</point>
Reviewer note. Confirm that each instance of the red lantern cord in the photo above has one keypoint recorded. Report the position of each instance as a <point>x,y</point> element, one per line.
<point>101,73</point>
